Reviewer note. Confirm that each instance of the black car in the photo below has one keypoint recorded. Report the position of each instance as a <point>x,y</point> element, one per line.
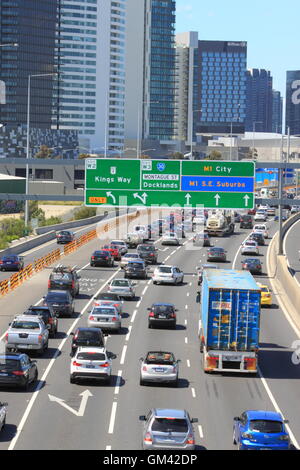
<point>64,278</point>
<point>61,301</point>
<point>17,370</point>
<point>258,238</point>
<point>87,337</point>
<point>216,254</point>
<point>246,221</point>
<point>48,316</point>
<point>11,263</point>
<point>102,258</point>
<point>135,269</point>
<point>162,314</point>
<point>253,265</point>
<point>65,236</point>
<point>148,252</point>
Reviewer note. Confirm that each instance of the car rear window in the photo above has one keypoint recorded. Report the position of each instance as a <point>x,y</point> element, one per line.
<point>61,277</point>
<point>88,335</point>
<point>103,311</point>
<point>146,248</point>
<point>136,265</point>
<point>170,425</point>
<point>10,258</point>
<point>163,308</point>
<point>25,325</point>
<point>43,313</point>
<point>108,297</point>
<point>160,358</point>
<point>91,356</point>
<point>57,297</point>
<point>9,364</point>
<point>164,269</point>
<point>265,426</point>
<point>120,283</point>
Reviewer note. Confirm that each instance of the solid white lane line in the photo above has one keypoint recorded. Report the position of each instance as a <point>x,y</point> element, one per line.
<point>123,355</point>
<point>274,403</point>
<point>128,334</point>
<point>117,387</point>
<point>138,304</point>
<point>200,431</point>
<point>112,417</point>
<point>133,316</point>
<point>188,294</point>
<point>188,363</point>
<point>173,252</point>
<point>193,392</point>
<point>149,282</point>
<point>185,340</point>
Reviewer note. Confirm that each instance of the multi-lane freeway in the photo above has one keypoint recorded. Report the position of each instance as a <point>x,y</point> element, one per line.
<point>55,414</point>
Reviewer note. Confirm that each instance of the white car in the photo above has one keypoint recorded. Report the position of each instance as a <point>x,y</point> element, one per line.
<point>129,257</point>
<point>250,247</point>
<point>167,274</point>
<point>295,209</point>
<point>261,228</point>
<point>263,207</point>
<point>271,211</point>
<point>170,238</point>
<point>260,215</point>
<point>90,363</point>
<point>142,230</point>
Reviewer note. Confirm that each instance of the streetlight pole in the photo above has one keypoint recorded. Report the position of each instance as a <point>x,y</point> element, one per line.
<point>26,215</point>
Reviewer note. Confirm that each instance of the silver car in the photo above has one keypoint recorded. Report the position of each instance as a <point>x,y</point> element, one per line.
<point>170,238</point>
<point>122,287</point>
<point>129,257</point>
<point>168,429</point>
<point>121,245</point>
<point>106,318</point>
<point>2,415</point>
<point>159,367</point>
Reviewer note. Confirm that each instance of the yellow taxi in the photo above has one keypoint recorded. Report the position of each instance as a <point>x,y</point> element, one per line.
<point>266,296</point>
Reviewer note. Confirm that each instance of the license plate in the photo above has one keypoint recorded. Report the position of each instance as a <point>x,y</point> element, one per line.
<point>3,375</point>
<point>231,358</point>
<point>90,366</point>
<point>161,316</point>
<point>159,369</point>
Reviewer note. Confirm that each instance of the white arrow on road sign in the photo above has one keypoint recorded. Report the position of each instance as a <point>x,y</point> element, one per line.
<point>142,198</point>
<point>246,199</point>
<point>85,396</point>
<point>109,194</point>
<point>188,198</point>
<point>217,198</point>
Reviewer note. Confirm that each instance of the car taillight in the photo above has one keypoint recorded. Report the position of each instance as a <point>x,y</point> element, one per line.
<point>114,319</point>
<point>49,284</point>
<point>40,338</point>
<point>51,321</point>
<point>1,262</point>
<point>92,318</point>
<point>148,437</point>
<point>18,372</point>
<point>145,368</point>
<point>6,337</point>
<point>106,364</point>
<point>93,257</point>
<point>172,315</point>
<point>151,314</point>
<point>73,284</point>
<point>76,364</point>
<point>190,439</point>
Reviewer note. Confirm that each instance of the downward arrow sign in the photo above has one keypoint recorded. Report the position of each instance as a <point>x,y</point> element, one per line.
<point>85,396</point>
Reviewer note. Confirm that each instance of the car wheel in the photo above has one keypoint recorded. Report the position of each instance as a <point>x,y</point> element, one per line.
<point>149,325</point>
<point>72,380</point>
<point>92,264</point>
<point>25,386</point>
<point>3,424</point>
<point>154,282</point>
<point>233,438</point>
<point>108,380</point>
<point>142,382</point>
<point>35,376</point>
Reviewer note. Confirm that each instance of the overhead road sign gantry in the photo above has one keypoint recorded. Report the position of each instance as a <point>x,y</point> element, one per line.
<point>213,184</point>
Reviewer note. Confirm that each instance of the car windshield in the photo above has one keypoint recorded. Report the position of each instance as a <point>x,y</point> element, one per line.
<point>120,283</point>
<point>57,297</point>
<point>160,358</point>
<point>265,426</point>
<point>25,325</point>
<point>164,269</point>
<point>9,364</point>
<point>170,425</point>
<point>91,356</point>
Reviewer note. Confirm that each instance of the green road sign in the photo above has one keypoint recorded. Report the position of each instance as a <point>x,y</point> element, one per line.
<point>213,184</point>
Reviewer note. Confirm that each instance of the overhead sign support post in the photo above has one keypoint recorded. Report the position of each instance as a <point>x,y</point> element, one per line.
<point>169,183</point>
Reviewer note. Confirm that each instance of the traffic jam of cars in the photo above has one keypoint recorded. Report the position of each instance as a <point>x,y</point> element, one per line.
<point>137,258</point>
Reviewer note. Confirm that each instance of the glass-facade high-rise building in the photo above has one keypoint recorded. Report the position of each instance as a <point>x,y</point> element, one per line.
<point>221,91</point>
<point>259,107</point>
<point>292,115</point>
<point>90,59</point>
<point>277,109</point>
<point>31,25</point>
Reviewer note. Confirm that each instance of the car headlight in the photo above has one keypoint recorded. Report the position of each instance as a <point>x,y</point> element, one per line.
<point>248,435</point>
<point>284,437</point>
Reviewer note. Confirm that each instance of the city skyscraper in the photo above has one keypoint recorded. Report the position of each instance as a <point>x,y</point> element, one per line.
<point>150,69</point>
<point>277,112</point>
<point>90,60</point>
<point>292,115</point>
<point>31,26</point>
<point>259,107</point>
<point>221,78</point>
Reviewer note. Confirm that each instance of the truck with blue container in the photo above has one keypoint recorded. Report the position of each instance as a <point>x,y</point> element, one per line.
<point>230,321</point>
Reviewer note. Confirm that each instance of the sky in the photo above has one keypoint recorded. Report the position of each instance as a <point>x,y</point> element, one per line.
<point>271,29</point>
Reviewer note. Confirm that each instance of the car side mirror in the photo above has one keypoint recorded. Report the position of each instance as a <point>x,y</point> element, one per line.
<point>142,418</point>
<point>194,420</point>
<point>78,277</point>
<point>236,418</point>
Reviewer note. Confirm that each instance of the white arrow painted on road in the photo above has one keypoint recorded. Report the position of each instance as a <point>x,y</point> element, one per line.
<point>142,198</point>
<point>217,198</point>
<point>85,396</point>
<point>188,198</point>
<point>246,199</point>
<point>109,194</point>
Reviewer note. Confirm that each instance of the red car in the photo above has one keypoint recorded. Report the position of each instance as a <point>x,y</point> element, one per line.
<point>114,251</point>
<point>251,211</point>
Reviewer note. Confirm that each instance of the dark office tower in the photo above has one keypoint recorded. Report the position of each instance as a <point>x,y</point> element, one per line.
<point>222,69</point>
<point>292,116</point>
<point>31,25</point>
<point>259,106</point>
<point>162,69</point>
<point>277,112</point>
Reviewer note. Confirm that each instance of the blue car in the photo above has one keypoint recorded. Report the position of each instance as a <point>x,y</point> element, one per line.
<point>260,430</point>
<point>11,263</point>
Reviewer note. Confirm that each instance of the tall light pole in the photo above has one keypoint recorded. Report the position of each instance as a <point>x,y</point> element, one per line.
<point>26,215</point>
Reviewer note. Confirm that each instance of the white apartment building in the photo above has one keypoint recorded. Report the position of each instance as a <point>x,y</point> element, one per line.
<point>90,94</point>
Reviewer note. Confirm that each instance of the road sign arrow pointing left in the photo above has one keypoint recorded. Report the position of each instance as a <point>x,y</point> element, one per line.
<point>142,198</point>
<point>85,396</point>
<point>109,194</point>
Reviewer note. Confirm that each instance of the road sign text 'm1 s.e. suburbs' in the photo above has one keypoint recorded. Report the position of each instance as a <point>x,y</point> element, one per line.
<point>169,183</point>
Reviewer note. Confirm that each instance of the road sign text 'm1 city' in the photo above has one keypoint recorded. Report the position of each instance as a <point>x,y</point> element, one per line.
<point>166,183</point>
